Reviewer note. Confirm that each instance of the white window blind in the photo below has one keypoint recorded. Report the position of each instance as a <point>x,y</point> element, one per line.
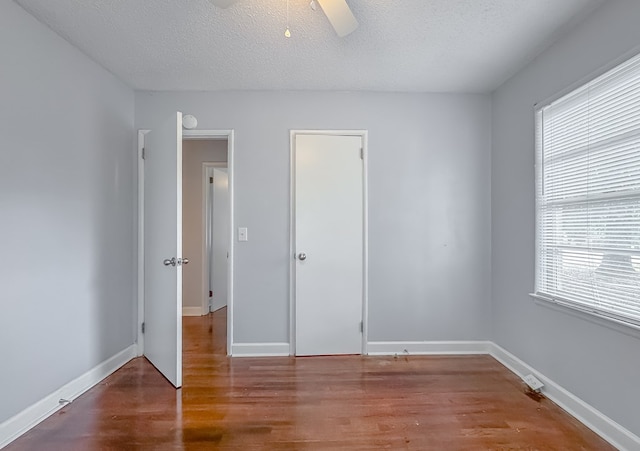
<point>588,196</point>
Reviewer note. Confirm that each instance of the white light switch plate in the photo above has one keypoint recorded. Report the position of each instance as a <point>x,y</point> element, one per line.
<point>243,235</point>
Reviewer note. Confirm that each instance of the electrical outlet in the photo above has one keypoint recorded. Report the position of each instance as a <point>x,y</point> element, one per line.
<point>533,382</point>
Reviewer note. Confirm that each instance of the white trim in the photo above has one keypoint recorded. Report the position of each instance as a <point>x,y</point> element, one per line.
<point>230,286</point>
<point>364,134</point>
<point>192,311</point>
<point>140,275</point>
<point>595,420</point>
<point>206,134</point>
<point>428,347</point>
<point>17,425</point>
<point>260,350</point>
<point>186,134</point>
<point>365,242</point>
<point>292,239</point>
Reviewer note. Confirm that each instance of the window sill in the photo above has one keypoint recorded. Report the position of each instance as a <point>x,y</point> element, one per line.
<point>588,315</point>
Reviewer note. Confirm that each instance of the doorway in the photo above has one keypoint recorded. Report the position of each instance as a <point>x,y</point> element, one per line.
<point>160,274</point>
<point>328,242</point>
<point>218,230</point>
<point>205,226</point>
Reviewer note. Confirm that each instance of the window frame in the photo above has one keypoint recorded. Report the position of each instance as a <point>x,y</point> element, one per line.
<point>584,311</point>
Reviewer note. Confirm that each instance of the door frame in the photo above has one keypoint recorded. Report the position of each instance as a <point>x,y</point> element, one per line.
<point>186,134</point>
<point>207,171</point>
<point>365,231</point>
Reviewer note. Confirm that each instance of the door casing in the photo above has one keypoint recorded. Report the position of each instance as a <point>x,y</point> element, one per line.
<point>365,232</point>
<point>186,134</point>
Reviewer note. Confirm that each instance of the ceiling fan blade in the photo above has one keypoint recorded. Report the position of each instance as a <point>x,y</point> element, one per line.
<point>340,16</point>
<point>223,3</point>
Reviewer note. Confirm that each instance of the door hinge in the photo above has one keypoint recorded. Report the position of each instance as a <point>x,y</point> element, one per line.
<point>361,326</point>
<point>143,153</point>
<point>142,327</point>
<point>361,153</point>
<point>210,179</point>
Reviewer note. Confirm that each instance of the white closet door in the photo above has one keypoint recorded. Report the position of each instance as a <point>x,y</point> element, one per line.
<point>329,206</point>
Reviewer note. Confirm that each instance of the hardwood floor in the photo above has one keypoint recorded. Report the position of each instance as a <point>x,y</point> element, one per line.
<point>356,403</point>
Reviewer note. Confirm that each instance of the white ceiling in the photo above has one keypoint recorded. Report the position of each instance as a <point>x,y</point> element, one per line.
<point>401,45</point>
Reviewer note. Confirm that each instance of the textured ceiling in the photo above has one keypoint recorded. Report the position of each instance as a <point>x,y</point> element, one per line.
<point>401,45</point>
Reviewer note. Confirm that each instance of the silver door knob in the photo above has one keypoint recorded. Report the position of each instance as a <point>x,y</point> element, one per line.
<point>302,256</point>
<point>169,262</point>
<point>183,261</point>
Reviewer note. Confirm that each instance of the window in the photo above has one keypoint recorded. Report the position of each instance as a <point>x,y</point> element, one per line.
<point>588,196</point>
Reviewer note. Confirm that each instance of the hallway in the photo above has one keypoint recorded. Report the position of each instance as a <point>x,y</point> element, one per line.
<point>353,402</point>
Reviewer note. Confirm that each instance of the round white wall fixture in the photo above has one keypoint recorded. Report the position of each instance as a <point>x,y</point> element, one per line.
<point>189,121</point>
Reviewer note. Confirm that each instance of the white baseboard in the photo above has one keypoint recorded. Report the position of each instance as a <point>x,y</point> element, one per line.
<point>192,311</point>
<point>17,425</point>
<point>260,349</point>
<point>595,420</point>
<point>602,425</point>
<point>427,347</point>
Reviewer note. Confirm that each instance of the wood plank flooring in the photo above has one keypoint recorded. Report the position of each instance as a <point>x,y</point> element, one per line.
<point>311,403</point>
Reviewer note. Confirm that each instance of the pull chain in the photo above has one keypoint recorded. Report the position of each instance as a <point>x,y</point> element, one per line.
<point>287,32</point>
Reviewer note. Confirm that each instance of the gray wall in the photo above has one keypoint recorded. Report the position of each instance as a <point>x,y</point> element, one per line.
<point>599,364</point>
<point>66,206</point>
<point>67,203</point>
<point>194,153</point>
<point>429,197</point>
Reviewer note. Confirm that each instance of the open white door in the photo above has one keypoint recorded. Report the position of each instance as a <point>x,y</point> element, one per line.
<point>329,248</point>
<point>163,248</point>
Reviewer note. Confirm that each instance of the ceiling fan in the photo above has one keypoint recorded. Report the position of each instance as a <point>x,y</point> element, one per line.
<point>337,11</point>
